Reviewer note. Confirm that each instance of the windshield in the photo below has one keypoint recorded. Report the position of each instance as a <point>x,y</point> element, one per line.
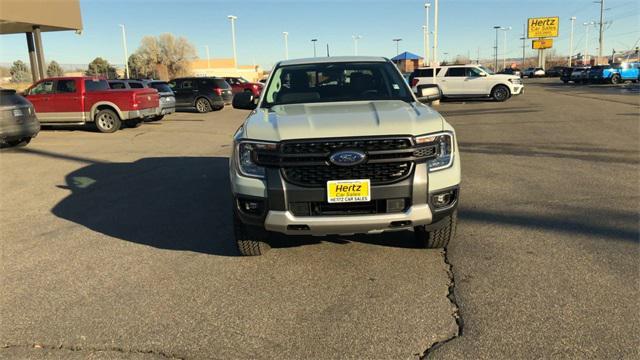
<point>242,80</point>
<point>310,83</point>
<point>161,86</point>
<point>486,70</point>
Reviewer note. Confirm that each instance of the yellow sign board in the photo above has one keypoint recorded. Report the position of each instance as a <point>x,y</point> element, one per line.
<point>543,27</point>
<point>542,44</point>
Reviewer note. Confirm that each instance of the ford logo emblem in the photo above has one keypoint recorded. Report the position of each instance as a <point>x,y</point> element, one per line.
<point>348,158</point>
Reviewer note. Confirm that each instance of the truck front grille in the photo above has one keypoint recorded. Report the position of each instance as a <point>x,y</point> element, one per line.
<point>323,208</point>
<point>306,163</point>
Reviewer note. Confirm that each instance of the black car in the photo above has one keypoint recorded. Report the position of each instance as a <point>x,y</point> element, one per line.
<point>18,121</point>
<point>555,71</point>
<point>565,74</point>
<point>202,93</point>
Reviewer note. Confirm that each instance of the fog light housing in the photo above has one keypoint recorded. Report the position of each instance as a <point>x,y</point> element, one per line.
<point>250,206</point>
<point>443,199</point>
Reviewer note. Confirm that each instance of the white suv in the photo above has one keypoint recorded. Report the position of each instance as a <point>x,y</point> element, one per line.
<point>466,81</point>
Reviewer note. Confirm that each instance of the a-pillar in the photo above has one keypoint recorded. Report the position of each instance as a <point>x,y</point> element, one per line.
<point>39,50</point>
<point>35,75</point>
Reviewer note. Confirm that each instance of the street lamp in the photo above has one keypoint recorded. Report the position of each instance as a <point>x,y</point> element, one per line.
<point>497,27</point>
<point>573,20</point>
<point>233,39</point>
<point>504,52</point>
<point>425,33</point>
<point>586,41</point>
<point>126,56</point>
<point>286,45</point>
<point>355,43</point>
<point>397,45</point>
<point>314,41</point>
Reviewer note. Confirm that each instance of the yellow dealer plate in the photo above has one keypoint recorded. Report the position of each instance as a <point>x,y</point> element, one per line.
<point>345,191</point>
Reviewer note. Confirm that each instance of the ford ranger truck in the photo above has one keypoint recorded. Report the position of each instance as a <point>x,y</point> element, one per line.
<point>341,145</point>
<point>81,100</point>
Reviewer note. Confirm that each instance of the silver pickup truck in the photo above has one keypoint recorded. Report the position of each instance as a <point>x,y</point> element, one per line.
<point>341,145</point>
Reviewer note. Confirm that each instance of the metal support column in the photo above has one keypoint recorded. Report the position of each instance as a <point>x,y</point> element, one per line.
<point>39,51</point>
<point>35,76</point>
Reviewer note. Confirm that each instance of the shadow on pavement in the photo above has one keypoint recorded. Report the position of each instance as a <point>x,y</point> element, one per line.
<point>570,151</point>
<point>174,203</point>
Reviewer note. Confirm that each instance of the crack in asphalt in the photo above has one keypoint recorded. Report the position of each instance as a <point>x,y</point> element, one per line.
<point>456,311</point>
<point>93,349</point>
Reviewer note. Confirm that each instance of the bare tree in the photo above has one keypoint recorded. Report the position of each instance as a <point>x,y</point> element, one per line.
<point>163,57</point>
<point>54,69</point>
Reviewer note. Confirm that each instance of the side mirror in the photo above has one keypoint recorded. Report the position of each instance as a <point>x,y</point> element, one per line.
<point>428,93</point>
<point>244,101</point>
<point>483,74</point>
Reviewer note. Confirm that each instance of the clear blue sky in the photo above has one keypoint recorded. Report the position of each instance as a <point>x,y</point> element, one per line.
<point>465,26</point>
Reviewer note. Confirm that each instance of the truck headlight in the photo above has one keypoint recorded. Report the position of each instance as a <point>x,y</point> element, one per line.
<point>246,155</point>
<point>444,143</point>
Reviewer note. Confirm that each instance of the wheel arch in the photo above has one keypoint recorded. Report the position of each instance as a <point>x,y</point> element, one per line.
<point>102,105</point>
<point>501,84</point>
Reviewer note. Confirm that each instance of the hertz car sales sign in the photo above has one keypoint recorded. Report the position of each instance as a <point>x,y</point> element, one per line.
<point>543,27</point>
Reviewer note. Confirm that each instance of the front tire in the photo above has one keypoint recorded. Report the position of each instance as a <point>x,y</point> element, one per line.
<point>438,238</point>
<point>251,240</point>
<point>500,93</point>
<point>19,142</point>
<point>107,121</point>
<point>203,105</point>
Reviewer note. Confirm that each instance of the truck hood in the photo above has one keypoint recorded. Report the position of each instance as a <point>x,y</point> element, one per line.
<point>505,76</point>
<point>341,119</point>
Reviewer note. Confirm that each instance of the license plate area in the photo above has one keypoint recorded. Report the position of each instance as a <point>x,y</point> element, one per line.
<point>348,191</point>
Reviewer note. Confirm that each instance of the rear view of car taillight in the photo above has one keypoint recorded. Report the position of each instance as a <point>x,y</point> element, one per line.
<point>218,91</point>
<point>135,100</point>
<point>414,82</point>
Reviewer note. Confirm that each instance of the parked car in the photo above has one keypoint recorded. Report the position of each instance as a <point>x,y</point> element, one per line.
<point>468,81</point>
<point>533,72</point>
<point>511,71</point>
<point>167,97</point>
<point>240,84</point>
<point>81,100</point>
<point>202,93</point>
<point>555,71</point>
<point>342,146</point>
<point>615,73</point>
<point>565,75</point>
<point>580,75</point>
<point>18,121</point>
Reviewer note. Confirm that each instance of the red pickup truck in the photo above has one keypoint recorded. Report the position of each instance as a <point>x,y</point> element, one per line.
<point>81,100</point>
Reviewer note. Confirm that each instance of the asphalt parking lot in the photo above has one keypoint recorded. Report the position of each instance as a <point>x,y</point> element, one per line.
<point>120,246</point>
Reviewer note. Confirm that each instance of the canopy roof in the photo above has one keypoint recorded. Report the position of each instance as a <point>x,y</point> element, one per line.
<point>406,56</point>
<point>20,16</point>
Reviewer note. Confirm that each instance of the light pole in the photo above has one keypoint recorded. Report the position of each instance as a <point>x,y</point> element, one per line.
<point>286,44</point>
<point>425,34</point>
<point>586,42</point>
<point>444,56</point>
<point>355,43</point>
<point>397,45</point>
<point>495,58</point>
<point>126,56</point>
<point>233,39</point>
<point>206,48</point>
<point>573,20</point>
<point>504,52</point>
<point>314,41</point>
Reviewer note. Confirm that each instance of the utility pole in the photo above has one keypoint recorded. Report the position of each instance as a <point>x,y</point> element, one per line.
<point>495,57</point>
<point>233,39</point>
<point>425,34</point>
<point>206,47</point>
<point>573,20</point>
<point>314,41</point>
<point>126,56</point>
<point>328,50</point>
<point>355,43</point>
<point>478,56</point>
<point>397,45</point>
<point>601,37</point>
<point>286,45</point>
<point>435,43</point>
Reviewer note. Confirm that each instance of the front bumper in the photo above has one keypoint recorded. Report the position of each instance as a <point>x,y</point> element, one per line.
<point>517,89</point>
<point>13,130</point>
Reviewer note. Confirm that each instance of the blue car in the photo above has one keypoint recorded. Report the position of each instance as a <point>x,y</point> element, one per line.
<point>614,73</point>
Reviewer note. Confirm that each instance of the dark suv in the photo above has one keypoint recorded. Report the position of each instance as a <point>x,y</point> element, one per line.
<point>202,93</point>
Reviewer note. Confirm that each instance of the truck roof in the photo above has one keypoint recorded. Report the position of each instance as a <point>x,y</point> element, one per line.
<point>332,59</point>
